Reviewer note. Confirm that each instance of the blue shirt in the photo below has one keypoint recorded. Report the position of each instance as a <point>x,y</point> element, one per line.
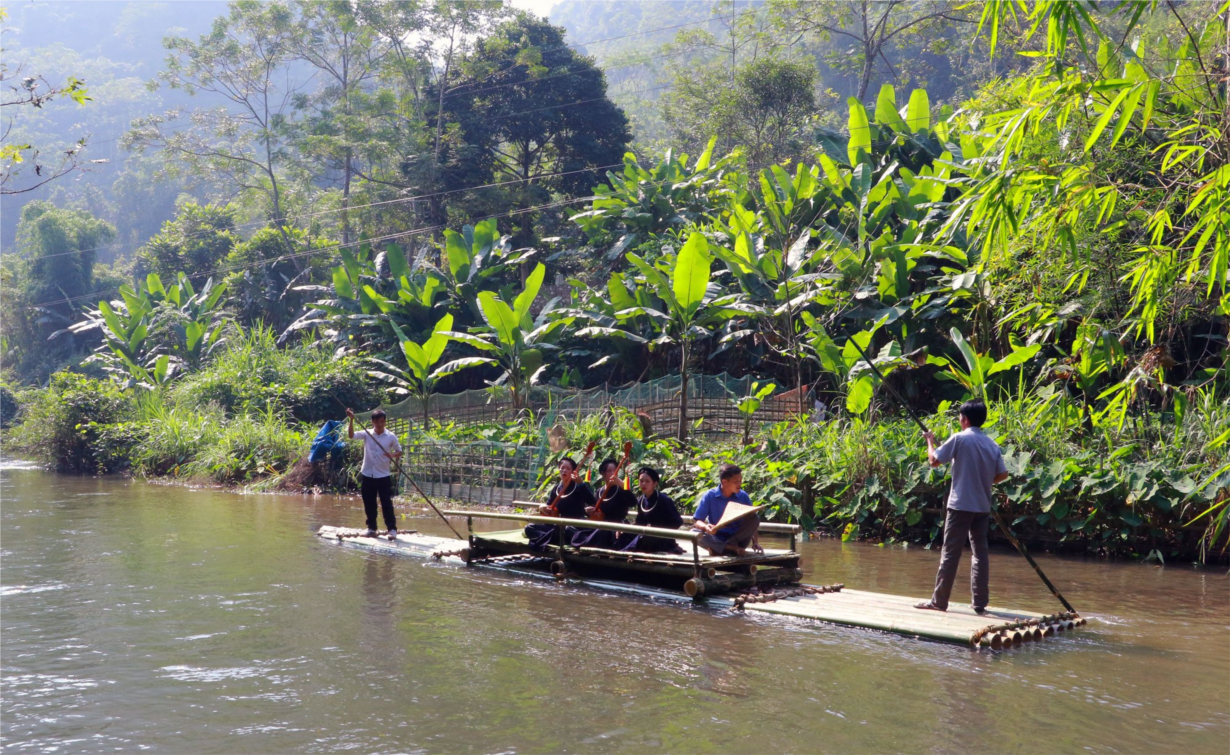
<point>713,505</point>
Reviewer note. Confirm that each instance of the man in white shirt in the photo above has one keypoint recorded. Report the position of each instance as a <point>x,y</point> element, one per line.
<point>380,449</point>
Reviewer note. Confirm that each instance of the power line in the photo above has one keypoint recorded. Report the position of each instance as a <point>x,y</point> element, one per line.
<point>341,245</point>
<point>302,216</point>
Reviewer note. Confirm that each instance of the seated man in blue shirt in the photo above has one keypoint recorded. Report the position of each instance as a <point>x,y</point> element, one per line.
<point>734,538</point>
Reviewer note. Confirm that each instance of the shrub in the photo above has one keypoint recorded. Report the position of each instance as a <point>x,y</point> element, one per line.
<point>9,407</point>
<point>62,425</point>
<point>246,448</point>
<point>251,374</point>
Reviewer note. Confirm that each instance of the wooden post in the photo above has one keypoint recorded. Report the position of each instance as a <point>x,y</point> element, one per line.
<point>695,560</point>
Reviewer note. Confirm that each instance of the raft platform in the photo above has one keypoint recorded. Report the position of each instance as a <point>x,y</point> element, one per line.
<point>766,584</point>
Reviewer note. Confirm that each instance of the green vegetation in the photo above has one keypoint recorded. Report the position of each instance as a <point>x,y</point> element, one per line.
<point>1055,240</point>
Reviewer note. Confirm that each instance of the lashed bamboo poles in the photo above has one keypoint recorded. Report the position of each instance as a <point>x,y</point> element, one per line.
<point>966,630</point>
<point>635,529</point>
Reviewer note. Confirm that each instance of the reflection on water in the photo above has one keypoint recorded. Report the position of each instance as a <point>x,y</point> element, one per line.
<point>139,616</point>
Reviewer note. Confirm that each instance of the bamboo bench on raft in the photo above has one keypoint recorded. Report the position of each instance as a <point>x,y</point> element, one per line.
<point>701,575</point>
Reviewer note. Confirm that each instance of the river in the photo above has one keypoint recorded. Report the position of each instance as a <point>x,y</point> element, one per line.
<point>147,617</point>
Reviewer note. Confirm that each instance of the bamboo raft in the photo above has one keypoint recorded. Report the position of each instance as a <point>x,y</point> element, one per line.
<point>767,583</point>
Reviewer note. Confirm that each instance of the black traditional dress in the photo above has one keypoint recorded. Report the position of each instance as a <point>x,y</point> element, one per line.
<point>657,510</point>
<point>615,507</point>
<point>571,505</point>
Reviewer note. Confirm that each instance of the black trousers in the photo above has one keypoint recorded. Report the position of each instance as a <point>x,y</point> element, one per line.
<point>371,487</point>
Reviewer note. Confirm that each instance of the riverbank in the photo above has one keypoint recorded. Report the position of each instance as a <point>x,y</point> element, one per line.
<point>1136,494</point>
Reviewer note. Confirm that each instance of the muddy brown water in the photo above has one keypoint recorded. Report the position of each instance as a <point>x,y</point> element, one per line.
<point>143,617</point>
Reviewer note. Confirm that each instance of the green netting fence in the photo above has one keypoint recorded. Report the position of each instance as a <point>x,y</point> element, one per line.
<point>712,398</point>
<point>480,472</point>
<point>498,473</point>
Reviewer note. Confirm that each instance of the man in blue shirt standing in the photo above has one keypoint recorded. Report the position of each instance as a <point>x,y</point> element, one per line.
<point>977,464</point>
<point>736,536</point>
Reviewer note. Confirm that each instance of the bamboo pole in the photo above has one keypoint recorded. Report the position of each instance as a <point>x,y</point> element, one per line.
<point>774,528</point>
<point>636,529</point>
<point>885,622</point>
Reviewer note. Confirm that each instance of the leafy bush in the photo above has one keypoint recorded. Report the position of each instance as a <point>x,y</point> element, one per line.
<point>251,374</point>
<point>246,448</point>
<point>9,406</point>
<point>63,425</point>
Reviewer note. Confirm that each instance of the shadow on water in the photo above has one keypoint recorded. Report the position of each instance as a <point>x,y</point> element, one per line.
<point>200,621</point>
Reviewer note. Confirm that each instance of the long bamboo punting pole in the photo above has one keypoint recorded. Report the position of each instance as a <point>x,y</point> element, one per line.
<point>998,521</point>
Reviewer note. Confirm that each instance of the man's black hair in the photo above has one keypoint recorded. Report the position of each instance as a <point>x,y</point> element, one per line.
<point>653,474</point>
<point>378,414</point>
<point>607,462</point>
<point>726,471</point>
<point>975,411</point>
<point>571,462</point>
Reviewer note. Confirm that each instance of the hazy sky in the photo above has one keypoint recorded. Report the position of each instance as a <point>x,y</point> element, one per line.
<point>537,7</point>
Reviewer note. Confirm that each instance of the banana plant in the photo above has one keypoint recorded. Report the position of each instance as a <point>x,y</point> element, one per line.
<point>748,405</point>
<point>846,364</point>
<point>418,380</point>
<point>682,306</point>
<point>154,331</point>
<point>368,295</point>
<point>980,368</point>
<point>515,340</point>
<point>640,203</point>
<point>477,257</point>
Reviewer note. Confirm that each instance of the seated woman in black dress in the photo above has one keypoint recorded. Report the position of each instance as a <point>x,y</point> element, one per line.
<point>653,509</point>
<point>613,501</point>
<point>571,497</point>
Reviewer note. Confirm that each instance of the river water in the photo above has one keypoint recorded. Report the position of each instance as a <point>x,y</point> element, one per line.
<point>144,617</point>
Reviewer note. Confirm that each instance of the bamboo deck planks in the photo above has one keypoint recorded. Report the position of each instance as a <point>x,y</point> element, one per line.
<point>857,608</point>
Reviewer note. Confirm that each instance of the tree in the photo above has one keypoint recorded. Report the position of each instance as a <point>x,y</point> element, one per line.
<point>686,308</point>
<point>514,338</point>
<point>530,111</point>
<point>762,109</point>
<point>197,240</point>
<point>348,54</point>
<point>33,91</point>
<point>52,276</point>
<point>243,62</point>
<point>425,44</point>
<point>873,27</point>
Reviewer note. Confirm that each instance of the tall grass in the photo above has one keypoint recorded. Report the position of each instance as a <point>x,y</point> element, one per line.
<point>246,448</point>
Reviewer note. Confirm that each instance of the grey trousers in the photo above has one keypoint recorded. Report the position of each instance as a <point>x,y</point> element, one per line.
<point>748,526</point>
<point>960,526</point>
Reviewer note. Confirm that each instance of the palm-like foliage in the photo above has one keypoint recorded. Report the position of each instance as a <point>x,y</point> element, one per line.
<point>683,306</point>
<point>418,380</point>
<point>155,331</point>
<point>515,339</point>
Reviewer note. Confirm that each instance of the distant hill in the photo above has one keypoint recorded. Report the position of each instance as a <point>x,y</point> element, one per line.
<point>588,20</point>
<point>116,47</point>
<point>119,30</point>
